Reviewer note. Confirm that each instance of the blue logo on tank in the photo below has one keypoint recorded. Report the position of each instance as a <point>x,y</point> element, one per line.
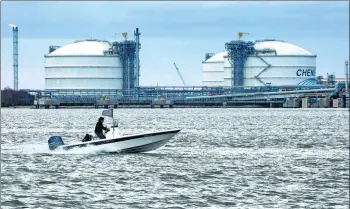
<point>308,82</point>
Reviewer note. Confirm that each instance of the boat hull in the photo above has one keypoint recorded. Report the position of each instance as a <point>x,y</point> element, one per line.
<point>128,144</point>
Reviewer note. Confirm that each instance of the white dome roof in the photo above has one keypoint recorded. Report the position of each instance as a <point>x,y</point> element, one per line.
<point>219,57</point>
<point>82,48</point>
<point>282,48</point>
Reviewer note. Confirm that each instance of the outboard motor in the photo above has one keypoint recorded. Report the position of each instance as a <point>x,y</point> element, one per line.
<point>54,142</point>
<point>87,138</point>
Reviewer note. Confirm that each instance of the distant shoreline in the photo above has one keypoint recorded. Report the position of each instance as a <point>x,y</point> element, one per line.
<point>129,107</point>
<point>18,107</point>
<point>144,107</point>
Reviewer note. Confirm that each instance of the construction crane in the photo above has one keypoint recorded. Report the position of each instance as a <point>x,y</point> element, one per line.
<point>178,72</point>
<point>125,34</point>
<point>240,34</point>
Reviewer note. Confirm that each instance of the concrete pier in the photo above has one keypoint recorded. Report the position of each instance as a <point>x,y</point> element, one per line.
<point>319,98</point>
<point>304,102</point>
<point>335,103</point>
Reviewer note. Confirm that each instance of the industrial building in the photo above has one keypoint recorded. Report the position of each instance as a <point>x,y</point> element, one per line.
<point>94,72</point>
<point>94,64</point>
<point>103,73</point>
<point>265,62</point>
<point>83,65</point>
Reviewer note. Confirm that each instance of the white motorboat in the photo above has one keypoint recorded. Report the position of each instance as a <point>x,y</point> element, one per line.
<point>115,143</point>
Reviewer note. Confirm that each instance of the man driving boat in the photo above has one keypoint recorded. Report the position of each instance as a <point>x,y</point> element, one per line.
<point>99,127</point>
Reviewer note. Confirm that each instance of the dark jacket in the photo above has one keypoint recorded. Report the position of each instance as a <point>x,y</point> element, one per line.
<point>99,127</point>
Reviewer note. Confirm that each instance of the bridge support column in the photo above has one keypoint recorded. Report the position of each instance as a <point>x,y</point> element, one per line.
<point>343,101</point>
<point>304,102</point>
<point>335,103</point>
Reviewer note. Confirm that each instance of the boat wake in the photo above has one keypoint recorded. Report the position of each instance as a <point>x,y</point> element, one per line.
<point>31,149</point>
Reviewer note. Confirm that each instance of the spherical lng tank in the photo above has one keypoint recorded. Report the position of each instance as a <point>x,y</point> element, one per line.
<point>275,63</point>
<point>83,65</point>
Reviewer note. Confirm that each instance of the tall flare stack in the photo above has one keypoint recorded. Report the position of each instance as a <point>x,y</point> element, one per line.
<point>15,56</point>
<point>137,60</point>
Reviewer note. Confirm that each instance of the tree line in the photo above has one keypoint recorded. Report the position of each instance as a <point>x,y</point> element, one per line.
<point>10,97</point>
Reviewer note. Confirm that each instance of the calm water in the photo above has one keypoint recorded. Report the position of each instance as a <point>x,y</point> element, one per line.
<point>223,158</point>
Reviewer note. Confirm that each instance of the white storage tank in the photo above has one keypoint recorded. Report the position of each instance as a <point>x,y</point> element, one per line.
<point>83,65</point>
<point>280,64</point>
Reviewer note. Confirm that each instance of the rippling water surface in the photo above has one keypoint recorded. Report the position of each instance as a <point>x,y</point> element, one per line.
<point>222,158</point>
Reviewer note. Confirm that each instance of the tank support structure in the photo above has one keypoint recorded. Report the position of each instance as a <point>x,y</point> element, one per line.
<point>128,52</point>
<point>238,52</point>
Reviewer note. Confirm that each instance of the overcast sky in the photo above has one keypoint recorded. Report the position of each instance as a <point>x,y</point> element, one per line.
<point>180,32</point>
